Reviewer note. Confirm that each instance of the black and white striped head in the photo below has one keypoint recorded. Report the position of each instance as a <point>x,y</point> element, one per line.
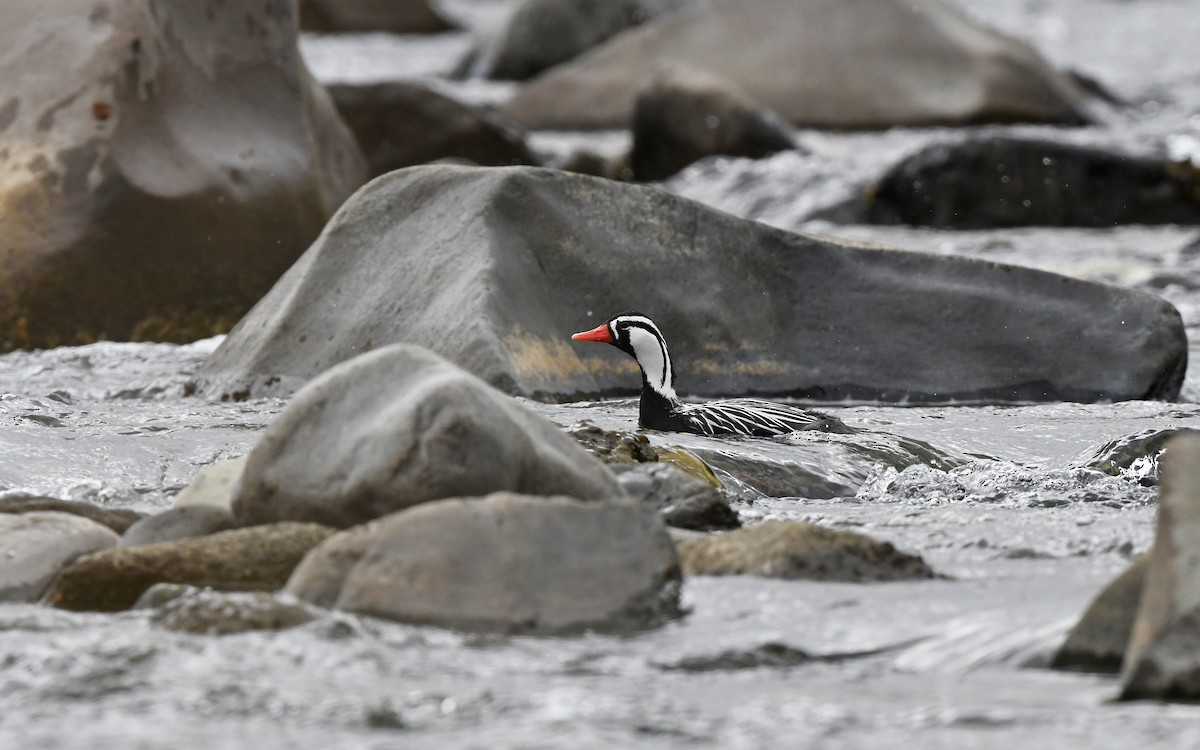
<point>637,336</point>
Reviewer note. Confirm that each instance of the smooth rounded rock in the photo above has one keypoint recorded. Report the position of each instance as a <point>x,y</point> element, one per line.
<point>684,115</point>
<point>214,486</point>
<point>795,550</point>
<point>1003,181</point>
<point>400,426</point>
<point>162,163</point>
<point>495,268</point>
<point>1098,641</point>
<point>35,546</point>
<point>818,63</point>
<point>187,609</point>
<point>683,501</point>
<point>178,523</point>
<point>254,559</point>
<point>400,124</point>
<point>117,519</point>
<point>1162,660</point>
<point>506,563</point>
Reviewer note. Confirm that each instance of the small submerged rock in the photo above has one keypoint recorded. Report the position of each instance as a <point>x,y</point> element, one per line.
<point>35,546</point>
<point>681,500</point>
<point>506,562</point>
<point>398,427</point>
<point>796,550</point>
<point>188,609</point>
<point>254,559</point>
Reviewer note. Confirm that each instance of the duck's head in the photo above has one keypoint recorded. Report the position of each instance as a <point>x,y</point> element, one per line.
<point>637,336</point>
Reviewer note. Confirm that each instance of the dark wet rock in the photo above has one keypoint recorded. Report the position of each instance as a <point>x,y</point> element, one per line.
<point>178,523</point>
<point>254,559</point>
<point>163,164</point>
<point>394,16</point>
<point>509,563</point>
<point>683,501</point>
<point>1097,642</point>
<point>402,124</point>
<point>35,546</point>
<point>1003,181</point>
<point>1119,456</point>
<point>535,250</point>
<point>117,519</point>
<point>794,57</point>
<point>213,487</point>
<point>187,609</point>
<point>614,446</point>
<point>782,478</point>
<point>1192,249</point>
<point>401,426</point>
<point>778,655</point>
<point>791,549</point>
<point>684,115</point>
<point>1163,657</point>
<point>540,34</point>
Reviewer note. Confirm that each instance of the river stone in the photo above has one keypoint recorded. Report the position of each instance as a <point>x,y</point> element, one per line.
<point>178,523</point>
<point>540,34</point>
<point>506,562</point>
<point>35,546</point>
<point>684,115</point>
<point>495,268</point>
<point>681,500</point>
<point>188,609</point>
<point>401,426</point>
<point>1006,181</point>
<point>117,519</point>
<point>213,487</point>
<point>162,163</point>
<point>254,559</point>
<point>819,63</point>
<point>1097,642</point>
<point>793,549</point>
<point>1163,657</point>
<point>401,124</point>
<point>394,16</point>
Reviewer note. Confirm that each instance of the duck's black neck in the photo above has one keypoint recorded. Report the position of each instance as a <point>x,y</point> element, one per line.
<point>657,411</point>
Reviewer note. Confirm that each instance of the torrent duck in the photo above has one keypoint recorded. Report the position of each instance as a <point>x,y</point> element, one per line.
<point>660,409</point>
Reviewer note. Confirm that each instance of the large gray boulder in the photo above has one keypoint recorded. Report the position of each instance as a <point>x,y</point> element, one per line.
<point>820,63</point>
<point>162,163</point>
<point>1003,181</point>
<point>506,562</point>
<point>35,546</point>
<point>1163,657</point>
<point>1098,641</point>
<point>398,427</point>
<point>495,268</point>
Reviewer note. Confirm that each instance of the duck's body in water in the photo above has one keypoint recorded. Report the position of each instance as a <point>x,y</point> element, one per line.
<point>661,409</point>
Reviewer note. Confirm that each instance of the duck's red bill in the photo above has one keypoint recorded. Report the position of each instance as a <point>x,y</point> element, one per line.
<point>599,333</point>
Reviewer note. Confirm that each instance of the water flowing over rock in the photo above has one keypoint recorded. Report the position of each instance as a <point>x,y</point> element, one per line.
<point>35,546</point>
<point>1006,181</point>
<point>401,124</point>
<point>1098,641</point>
<point>495,268</point>
<point>789,549</point>
<point>162,162</point>
<point>820,63</point>
<point>506,562</point>
<point>394,16</point>
<point>398,427</point>
<point>1163,657</point>
<point>685,115</point>
<point>255,559</point>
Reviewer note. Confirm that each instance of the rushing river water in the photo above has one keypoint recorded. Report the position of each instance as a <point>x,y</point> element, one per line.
<point>1003,500</point>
